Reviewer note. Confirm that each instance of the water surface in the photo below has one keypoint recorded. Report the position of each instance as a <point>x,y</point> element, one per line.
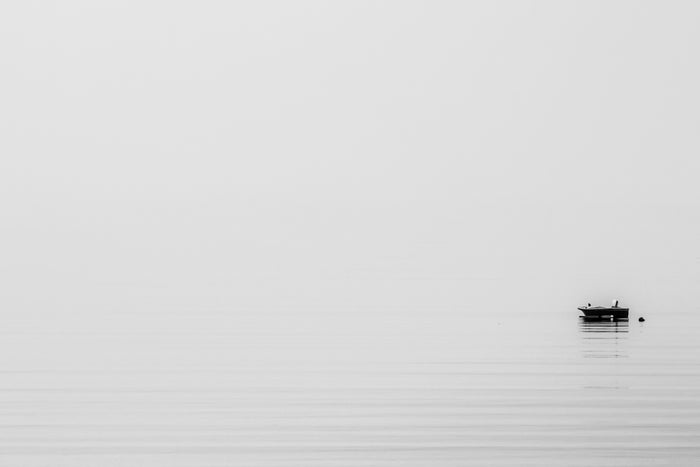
<point>347,389</point>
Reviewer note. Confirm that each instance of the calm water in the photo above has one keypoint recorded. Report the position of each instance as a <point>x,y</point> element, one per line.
<point>349,389</point>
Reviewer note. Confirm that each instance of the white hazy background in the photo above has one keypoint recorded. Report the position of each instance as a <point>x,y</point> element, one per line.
<point>347,154</point>
<point>171,172</point>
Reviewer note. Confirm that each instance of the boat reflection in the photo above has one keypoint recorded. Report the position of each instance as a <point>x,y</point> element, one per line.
<point>602,325</point>
<point>604,338</point>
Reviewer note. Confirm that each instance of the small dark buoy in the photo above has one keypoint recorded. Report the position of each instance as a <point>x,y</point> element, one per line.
<point>641,319</point>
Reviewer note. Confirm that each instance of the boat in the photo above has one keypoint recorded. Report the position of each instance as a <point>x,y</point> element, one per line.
<point>604,312</point>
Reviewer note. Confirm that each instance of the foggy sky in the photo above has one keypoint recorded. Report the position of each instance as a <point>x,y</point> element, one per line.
<point>347,155</point>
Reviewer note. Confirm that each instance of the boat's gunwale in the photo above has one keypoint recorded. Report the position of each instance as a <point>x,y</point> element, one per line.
<point>603,309</point>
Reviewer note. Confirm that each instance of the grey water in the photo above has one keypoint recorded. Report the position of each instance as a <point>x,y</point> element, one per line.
<point>324,388</point>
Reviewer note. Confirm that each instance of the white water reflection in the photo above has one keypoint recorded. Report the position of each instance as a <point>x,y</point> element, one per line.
<point>497,390</point>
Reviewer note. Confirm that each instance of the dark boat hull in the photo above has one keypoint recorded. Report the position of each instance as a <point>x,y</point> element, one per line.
<point>600,312</point>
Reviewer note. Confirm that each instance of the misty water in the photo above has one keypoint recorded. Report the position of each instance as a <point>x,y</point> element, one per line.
<point>323,234</point>
<point>531,386</point>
